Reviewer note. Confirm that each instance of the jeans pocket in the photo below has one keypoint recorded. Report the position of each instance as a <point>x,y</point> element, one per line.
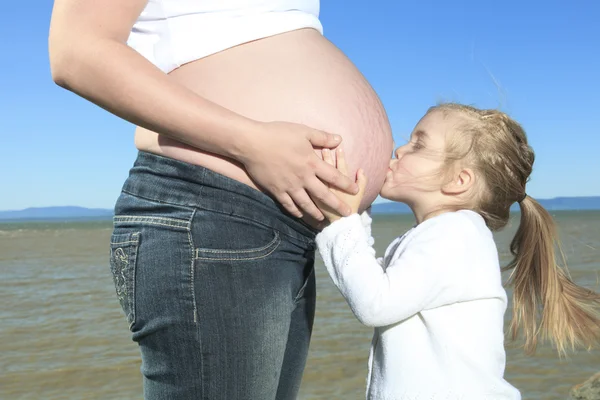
<point>228,238</point>
<point>123,258</point>
<point>246,254</point>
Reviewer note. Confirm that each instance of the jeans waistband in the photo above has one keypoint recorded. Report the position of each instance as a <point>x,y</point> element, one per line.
<point>172,181</point>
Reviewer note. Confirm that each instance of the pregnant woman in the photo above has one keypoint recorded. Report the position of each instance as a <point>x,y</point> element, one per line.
<point>212,250</point>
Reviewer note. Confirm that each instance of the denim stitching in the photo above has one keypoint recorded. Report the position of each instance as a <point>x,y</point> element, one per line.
<point>238,258</point>
<point>155,223</point>
<point>121,260</point>
<point>274,243</point>
<point>222,251</point>
<point>148,217</point>
<point>304,286</point>
<point>128,242</point>
<point>135,235</point>
<point>170,222</point>
<point>192,269</point>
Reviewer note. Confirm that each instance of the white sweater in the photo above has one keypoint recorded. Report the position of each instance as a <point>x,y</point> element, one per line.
<point>436,302</point>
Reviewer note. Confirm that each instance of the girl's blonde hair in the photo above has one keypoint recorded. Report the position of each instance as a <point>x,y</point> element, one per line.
<point>496,148</point>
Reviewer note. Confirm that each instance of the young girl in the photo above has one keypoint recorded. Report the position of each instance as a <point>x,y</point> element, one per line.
<point>436,298</point>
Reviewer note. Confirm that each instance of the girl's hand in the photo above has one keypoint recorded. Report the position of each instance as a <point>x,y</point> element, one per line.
<point>352,200</point>
<point>282,160</point>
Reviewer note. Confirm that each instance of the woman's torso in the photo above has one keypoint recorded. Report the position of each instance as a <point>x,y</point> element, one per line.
<point>296,76</point>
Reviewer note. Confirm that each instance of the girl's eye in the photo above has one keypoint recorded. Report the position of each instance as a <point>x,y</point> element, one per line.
<point>418,146</point>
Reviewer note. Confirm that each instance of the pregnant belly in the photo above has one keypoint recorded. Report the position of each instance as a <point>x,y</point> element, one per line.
<point>297,77</point>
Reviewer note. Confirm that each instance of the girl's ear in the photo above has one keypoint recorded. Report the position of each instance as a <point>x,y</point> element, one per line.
<point>461,182</point>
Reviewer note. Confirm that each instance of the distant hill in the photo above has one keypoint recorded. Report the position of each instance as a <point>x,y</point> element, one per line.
<point>72,212</point>
<point>61,213</point>
<point>556,204</point>
<point>572,203</point>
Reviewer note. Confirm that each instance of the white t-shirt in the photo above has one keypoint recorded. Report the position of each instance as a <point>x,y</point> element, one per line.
<point>170,33</point>
<point>436,302</point>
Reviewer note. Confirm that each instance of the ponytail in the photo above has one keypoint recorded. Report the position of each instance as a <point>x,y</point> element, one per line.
<point>568,314</point>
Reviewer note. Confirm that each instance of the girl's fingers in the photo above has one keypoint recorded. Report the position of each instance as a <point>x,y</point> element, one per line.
<point>327,157</point>
<point>341,161</point>
<point>361,180</point>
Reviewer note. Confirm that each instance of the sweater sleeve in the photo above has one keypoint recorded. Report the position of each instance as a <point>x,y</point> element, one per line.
<point>366,220</point>
<point>422,276</point>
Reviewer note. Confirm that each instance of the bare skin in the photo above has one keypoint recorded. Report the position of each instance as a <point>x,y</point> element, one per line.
<point>257,124</point>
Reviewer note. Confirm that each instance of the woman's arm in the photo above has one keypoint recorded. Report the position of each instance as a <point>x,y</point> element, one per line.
<point>90,57</point>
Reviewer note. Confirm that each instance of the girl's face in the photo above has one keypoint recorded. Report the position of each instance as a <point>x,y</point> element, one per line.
<point>416,174</point>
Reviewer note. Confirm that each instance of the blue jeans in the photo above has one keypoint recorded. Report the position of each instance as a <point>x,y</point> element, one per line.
<point>216,281</point>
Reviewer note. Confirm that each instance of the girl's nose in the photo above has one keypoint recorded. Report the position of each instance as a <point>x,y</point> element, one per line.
<point>399,151</point>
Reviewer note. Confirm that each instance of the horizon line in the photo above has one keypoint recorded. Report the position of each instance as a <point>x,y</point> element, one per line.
<point>382,201</point>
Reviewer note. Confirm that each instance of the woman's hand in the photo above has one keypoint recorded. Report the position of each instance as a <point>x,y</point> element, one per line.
<point>352,200</point>
<point>281,159</point>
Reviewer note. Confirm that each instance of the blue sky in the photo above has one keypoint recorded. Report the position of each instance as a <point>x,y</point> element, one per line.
<point>538,62</point>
